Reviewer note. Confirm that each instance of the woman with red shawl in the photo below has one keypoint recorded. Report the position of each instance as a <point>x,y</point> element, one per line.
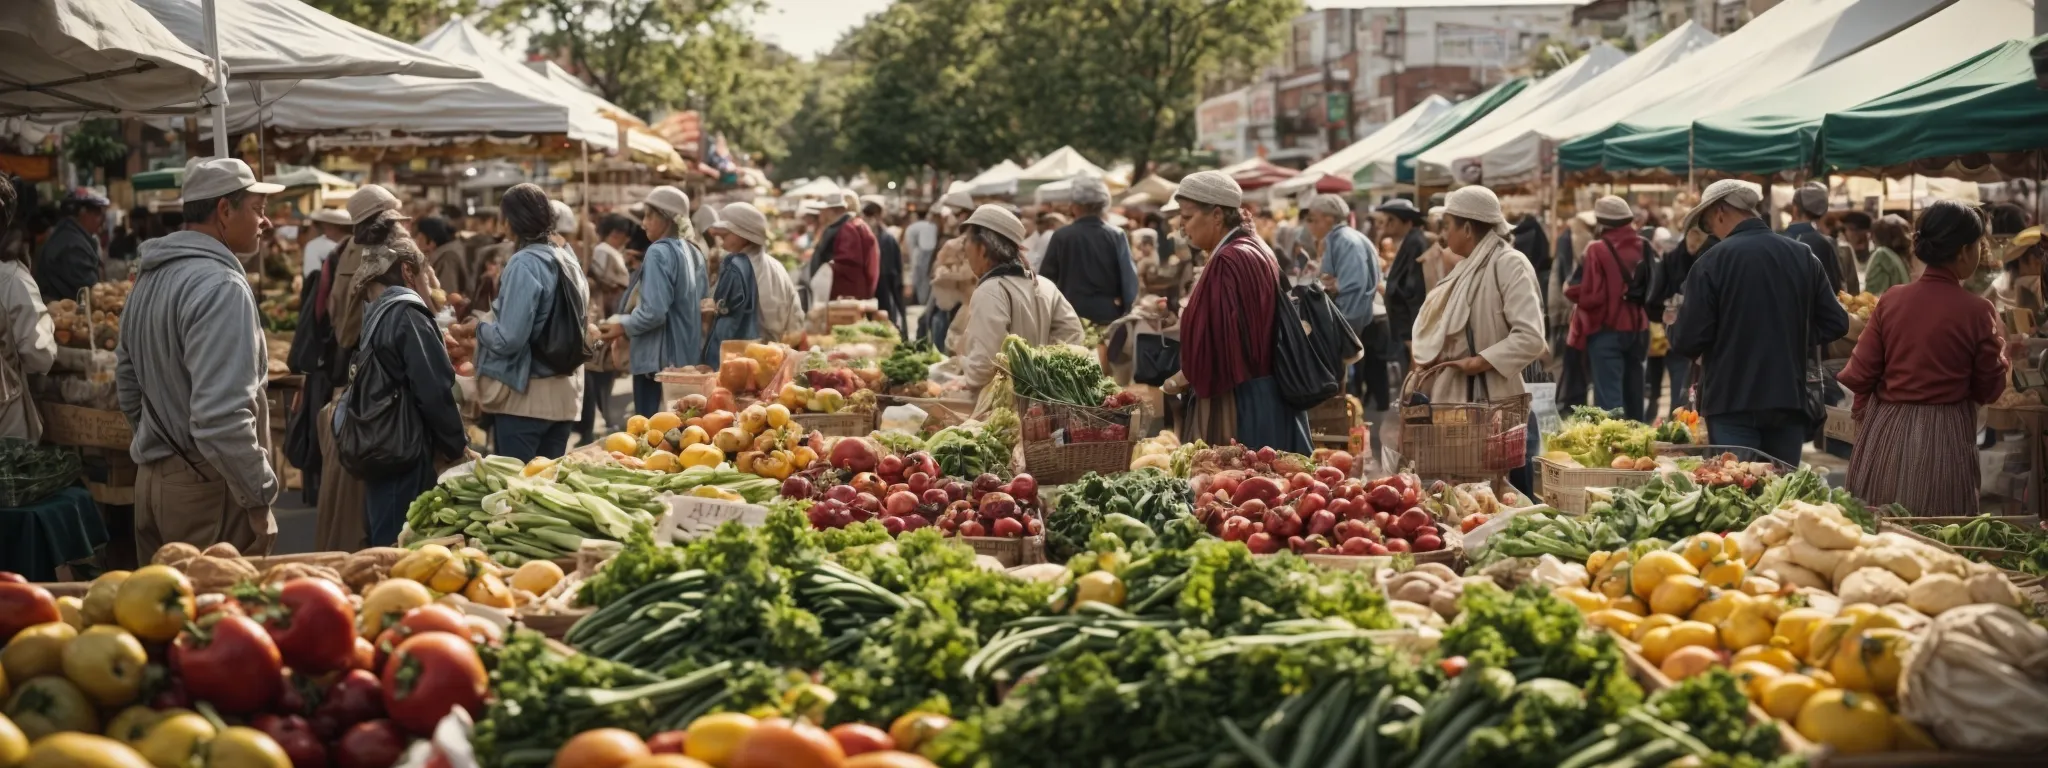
<point>1226,329</point>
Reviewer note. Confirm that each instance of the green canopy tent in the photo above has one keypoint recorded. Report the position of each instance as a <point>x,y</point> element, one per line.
<point>1985,118</point>
<point>1778,132</point>
<point>161,178</point>
<point>1463,114</point>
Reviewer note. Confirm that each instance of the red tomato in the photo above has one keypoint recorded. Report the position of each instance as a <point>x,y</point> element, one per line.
<point>365,657</point>
<point>312,623</point>
<point>861,738</point>
<point>666,742</point>
<point>1453,666</point>
<point>375,744</point>
<point>429,675</point>
<point>296,736</point>
<point>233,664</point>
<point>433,617</point>
<point>780,743</point>
<point>24,605</point>
<point>355,698</point>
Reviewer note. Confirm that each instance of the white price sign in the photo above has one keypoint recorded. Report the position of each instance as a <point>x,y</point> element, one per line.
<point>690,517</point>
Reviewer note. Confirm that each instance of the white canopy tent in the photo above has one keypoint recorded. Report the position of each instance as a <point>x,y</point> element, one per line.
<point>1782,44</point>
<point>406,110</point>
<point>1151,190</point>
<point>818,187</point>
<point>69,56</point>
<point>461,41</point>
<point>1510,153</point>
<point>294,177</point>
<point>999,179</point>
<point>1345,162</point>
<point>1558,85</point>
<point>290,40</point>
<point>1063,163</point>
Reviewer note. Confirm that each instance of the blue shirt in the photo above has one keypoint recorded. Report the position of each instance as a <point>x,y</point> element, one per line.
<point>664,327</point>
<point>737,316</point>
<point>526,292</point>
<point>1356,264</point>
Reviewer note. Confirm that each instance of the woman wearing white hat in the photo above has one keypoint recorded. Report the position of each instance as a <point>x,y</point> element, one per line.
<point>1484,323</point>
<point>1009,300</point>
<point>660,317</point>
<point>735,300</point>
<point>1226,329</point>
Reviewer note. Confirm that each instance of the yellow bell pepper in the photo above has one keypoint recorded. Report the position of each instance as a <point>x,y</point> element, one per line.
<point>702,455</point>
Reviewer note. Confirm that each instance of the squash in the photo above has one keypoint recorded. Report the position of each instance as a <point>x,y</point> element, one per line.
<point>1774,654</point>
<point>1782,696</point>
<point>701,455</point>
<point>1677,595</point>
<point>1652,569</point>
<point>1795,627</point>
<point>1850,722</point>
<point>1745,626</point>
<point>1702,549</point>
<point>1868,661</point>
<point>1752,674</point>
<point>1587,601</point>
<point>1688,661</point>
<point>1724,573</point>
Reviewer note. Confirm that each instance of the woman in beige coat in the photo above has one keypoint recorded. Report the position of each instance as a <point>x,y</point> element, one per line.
<point>1485,319</point>
<point>1009,300</point>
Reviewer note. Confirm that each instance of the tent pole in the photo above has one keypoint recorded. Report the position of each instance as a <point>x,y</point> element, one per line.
<point>211,12</point>
<point>262,152</point>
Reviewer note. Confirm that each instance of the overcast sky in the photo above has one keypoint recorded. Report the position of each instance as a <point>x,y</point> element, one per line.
<point>810,27</point>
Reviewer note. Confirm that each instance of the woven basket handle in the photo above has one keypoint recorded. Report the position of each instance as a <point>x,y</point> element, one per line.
<point>1419,377</point>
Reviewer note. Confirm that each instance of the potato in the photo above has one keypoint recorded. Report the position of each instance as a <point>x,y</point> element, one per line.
<point>174,553</point>
<point>1872,585</point>
<point>222,549</point>
<point>1991,586</point>
<point>1937,592</point>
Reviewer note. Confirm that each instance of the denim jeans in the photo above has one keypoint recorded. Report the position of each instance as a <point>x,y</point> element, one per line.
<point>1778,433</point>
<point>524,437</point>
<point>385,502</point>
<point>1680,370</point>
<point>597,397</point>
<point>1616,361</point>
<point>647,399</point>
<point>937,322</point>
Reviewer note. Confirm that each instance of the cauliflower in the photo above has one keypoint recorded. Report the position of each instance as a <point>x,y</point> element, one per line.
<point>1873,585</point>
<point>1937,592</point>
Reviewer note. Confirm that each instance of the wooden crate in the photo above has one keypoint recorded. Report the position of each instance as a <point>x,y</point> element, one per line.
<point>553,625</point>
<point>842,424</point>
<point>1556,482</point>
<point>1841,425</point>
<point>85,427</point>
<point>1333,418</point>
<point>1027,550</point>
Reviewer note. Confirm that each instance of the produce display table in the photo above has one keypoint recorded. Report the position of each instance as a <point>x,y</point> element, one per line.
<point>62,528</point>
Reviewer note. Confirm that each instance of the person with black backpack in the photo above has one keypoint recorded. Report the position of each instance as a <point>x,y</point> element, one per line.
<point>399,414</point>
<point>1609,322</point>
<point>530,354</point>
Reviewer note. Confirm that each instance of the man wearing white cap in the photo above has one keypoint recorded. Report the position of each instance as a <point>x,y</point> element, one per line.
<point>332,226</point>
<point>1756,306</point>
<point>190,370</point>
<point>1612,331</point>
<point>850,247</point>
<point>1226,329</point>
<point>1090,260</point>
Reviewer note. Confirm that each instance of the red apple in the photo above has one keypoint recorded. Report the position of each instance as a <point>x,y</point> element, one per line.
<point>902,503</point>
<point>1312,502</point>
<point>1428,542</point>
<point>1376,548</point>
<point>1321,521</point>
<point>1397,545</point>
<point>974,528</point>
<point>1329,475</point>
<point>1262,543</point>
<point>1009,528</point>
<point>1357,546</point>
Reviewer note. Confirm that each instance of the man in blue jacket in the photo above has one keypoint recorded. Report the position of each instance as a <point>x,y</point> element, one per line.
<point>70,260</point>
<point>1351,270</point>
<point>1756,305</point>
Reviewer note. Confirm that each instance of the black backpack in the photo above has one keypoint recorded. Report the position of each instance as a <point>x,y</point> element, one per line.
<point>1312,342</point>
<point>559,344</point>
<point>378,431</point>
<point>1646,284</point>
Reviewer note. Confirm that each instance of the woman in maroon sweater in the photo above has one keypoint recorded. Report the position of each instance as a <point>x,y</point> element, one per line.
<point>1933,353</point>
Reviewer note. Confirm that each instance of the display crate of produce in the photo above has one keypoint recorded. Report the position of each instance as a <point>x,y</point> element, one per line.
<point>1564,487</point>
<point>1055,463</point>
<point>1841,425</point>
<point>1024,550</point>
<point>87,427</point>
<point>675,384</point>
<point>842,424</point>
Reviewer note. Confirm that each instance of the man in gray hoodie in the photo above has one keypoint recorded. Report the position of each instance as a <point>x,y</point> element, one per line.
<point>191,368</point>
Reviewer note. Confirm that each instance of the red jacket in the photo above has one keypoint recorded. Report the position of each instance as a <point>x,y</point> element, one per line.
<point>1226,329</point>
<point>1930,342</point>
<point>1610,261</point>
<point>856,261</point>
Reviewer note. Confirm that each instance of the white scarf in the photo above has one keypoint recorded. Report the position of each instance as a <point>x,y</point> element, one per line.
<point>1448,308</point>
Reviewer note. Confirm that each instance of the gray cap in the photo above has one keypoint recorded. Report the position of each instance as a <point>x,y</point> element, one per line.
<point>999,221</point>
<point>669,200</point>
<point>221,176</point>
<point>1812,199</point>
<point>335,216</point>
<point>87,197</point>
<point>369,200</point>
<point>565,217</point>
<point>1612,208</point>
<point>1330,205</point>
<point>1211,188</point>
<point>1089,190</point>
<point>1736,192</point>
<point>745,221</point>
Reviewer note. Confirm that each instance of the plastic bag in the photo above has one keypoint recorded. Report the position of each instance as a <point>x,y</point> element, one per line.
<point>1978,680</point>
<point>907,419</point>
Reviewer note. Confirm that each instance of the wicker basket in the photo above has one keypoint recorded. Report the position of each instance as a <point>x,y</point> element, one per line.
<point>842,424</point>
<point>1054,464</point>
<point>1463,439</point>
<point>1334,417</point>
<point>676,384</point>
<point>1052,417</point>
<point>1564,487</point>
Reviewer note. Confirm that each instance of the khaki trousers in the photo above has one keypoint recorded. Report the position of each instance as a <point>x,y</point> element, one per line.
<point>176,501</point>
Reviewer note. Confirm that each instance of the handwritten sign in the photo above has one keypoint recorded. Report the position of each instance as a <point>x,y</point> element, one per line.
<point>690,517</point>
